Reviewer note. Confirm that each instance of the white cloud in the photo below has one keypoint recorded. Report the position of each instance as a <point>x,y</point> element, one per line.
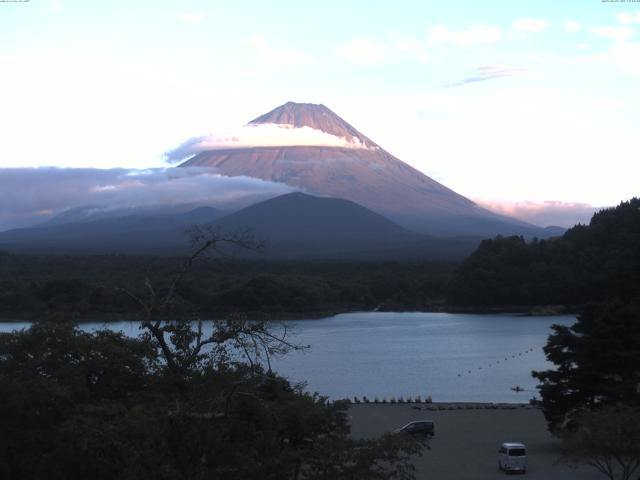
<point>59,189</point>
<point>191,17</point>
<point>360,50</point>
<point>262,135</point>
<point>627,18</point>
<point>571,26</point>
<point>618,34</point>
<point>277,57</point>
<point>477,34</point>
<point>368,51</point>
<point>622,53</point>
<point>488,72</point>
<point>544,214</point>
<point>534,25</point>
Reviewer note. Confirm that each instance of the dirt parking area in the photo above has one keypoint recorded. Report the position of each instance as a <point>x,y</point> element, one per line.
<point>467,439</point>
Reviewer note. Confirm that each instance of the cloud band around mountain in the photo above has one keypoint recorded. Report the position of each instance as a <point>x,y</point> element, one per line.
<point>261,135</point>
<point>34,195</point>
<point>556,213</point>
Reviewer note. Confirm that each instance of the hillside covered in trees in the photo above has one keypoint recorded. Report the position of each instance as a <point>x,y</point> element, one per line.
<point>589,263</point>
<point>92,287</point>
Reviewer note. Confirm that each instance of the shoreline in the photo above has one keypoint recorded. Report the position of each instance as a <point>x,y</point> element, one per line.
<point>113,318</point>
<point>522,311</point>
<point>457,405</point>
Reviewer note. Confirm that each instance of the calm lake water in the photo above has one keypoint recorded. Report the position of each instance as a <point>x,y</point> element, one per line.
<point>451,357</point>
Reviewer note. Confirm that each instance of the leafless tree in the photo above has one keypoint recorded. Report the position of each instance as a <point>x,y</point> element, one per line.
<point>186,344</point>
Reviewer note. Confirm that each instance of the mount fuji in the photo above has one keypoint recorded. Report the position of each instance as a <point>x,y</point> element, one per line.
<point>353,167</point>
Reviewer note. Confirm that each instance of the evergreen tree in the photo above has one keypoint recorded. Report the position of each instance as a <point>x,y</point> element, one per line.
<point>597,363</point>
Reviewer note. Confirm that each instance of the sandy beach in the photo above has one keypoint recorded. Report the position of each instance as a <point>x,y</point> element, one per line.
<point>467,439</point>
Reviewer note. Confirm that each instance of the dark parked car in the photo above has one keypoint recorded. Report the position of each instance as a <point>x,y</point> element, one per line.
<point>419,427</point>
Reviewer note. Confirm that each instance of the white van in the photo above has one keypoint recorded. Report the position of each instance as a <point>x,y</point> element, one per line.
<point>512,457</point>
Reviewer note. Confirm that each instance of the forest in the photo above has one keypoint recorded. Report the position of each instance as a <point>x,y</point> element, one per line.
<point>81,414</point>
<point>589,263</point>
<point>92,287</point>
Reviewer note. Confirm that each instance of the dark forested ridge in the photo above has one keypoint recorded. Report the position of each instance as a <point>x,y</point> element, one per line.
<point>588,263</point>
<point>175,402</point>
<point>90,287</point>
<point>294,226</point>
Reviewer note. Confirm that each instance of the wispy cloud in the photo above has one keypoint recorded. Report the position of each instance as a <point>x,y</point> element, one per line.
<point>370,51</point>
<point>534,25</point>
<point>623,52</point>
<point>549,213</point>
<point>623,55</point>
<point>59,189</point>
<point>618,34</point>
<point>277,56</point>
<point>488,72</point>
<point>191,17</point>
<point>262,135</point>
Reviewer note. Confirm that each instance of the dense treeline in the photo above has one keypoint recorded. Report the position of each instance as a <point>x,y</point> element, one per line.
<point>174,403</point>
<point>177,402</point>
<point>78,405</point>
<point>588,263</point>
<point>597,363</point>
<point>591,399</point>
<point>90,287</point>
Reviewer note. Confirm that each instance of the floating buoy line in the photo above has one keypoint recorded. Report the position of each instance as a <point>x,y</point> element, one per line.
<point>495,363</point>
<point>427,399</point>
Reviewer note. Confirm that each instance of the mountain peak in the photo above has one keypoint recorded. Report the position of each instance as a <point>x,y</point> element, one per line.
<point>368,176</point>
<point>312,115</point>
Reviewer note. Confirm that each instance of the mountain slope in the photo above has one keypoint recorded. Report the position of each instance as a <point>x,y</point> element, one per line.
<point>159,213</point>
<point>297,225</point>
<point>138,234</point>
<point>292,226</point>
<point>369,176</point>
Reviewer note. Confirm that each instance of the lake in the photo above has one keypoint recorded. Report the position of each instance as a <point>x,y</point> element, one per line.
<point>451,357</point>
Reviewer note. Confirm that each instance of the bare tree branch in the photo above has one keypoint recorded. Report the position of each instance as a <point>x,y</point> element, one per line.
<point>184,345</point>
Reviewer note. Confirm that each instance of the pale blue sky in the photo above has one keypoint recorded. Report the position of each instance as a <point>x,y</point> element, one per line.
<point>501,101</point>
